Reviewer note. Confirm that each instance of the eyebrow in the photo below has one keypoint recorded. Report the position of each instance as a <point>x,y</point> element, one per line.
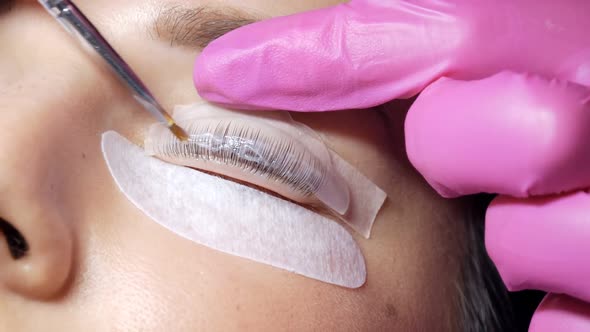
<point>6,5</point>
<point>196,27</point>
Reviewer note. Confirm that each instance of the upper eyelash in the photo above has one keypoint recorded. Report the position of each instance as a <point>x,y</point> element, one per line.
<point>250,149</point>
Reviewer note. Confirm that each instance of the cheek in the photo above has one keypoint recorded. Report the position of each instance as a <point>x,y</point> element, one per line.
<point>179,286</point>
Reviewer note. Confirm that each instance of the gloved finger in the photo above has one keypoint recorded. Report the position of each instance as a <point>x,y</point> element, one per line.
<point>512,134</point>
<point>364,53</point>
<point>352,55</point>
<point>541,243</point>
<point>561,313</point>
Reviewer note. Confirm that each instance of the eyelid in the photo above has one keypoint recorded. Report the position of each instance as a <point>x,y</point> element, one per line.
<point>267,151</point>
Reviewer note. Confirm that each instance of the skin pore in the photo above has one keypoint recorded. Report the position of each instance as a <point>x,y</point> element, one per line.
<point>97,263</point>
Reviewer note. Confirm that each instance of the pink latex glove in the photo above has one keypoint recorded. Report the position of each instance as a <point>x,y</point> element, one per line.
<point>486,127</point>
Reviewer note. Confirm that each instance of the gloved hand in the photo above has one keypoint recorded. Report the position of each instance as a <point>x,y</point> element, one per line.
<point>486,127</point>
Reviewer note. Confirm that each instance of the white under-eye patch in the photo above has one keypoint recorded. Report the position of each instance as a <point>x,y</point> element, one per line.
<point>235,218</point>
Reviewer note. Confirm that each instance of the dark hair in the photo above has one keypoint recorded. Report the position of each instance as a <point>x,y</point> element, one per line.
<point>483,299</point>
<point>483,302</point>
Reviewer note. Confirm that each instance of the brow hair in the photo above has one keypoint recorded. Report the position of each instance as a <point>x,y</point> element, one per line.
<point>196,27</point>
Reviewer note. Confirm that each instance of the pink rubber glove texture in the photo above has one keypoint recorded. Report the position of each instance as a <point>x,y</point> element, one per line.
<point>561,313</point>
<point>542,243</point>
<point>484,128</point>
<point>519,135</point>
<point>527,138</point>
<point>364,53</point>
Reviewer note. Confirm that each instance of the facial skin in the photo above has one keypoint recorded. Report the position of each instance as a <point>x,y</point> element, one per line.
<point>97,263</point>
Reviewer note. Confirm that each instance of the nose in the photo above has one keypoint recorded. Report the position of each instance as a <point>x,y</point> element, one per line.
<point>37,260</point>
<point>44,97</point>
<point>36,256</point>
<point>55,101</point>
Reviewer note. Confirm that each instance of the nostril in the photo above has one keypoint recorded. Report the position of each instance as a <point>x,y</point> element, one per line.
<point>17,244</point>
<point>39,265</point>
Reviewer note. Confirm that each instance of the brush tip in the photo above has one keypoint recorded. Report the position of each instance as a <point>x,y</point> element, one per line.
<point>178,132</point>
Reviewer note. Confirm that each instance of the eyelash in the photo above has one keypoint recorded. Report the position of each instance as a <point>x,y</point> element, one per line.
<point>251,150</point>
<point>268,151</point>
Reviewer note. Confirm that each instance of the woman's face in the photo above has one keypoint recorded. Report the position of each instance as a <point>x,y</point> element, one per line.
<point>98,263</point>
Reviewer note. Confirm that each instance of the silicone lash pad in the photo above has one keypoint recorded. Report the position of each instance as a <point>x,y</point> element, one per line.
<point>272,151</point>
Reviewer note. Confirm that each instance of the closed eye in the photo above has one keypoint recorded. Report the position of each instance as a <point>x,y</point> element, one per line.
<point>277,156</point>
